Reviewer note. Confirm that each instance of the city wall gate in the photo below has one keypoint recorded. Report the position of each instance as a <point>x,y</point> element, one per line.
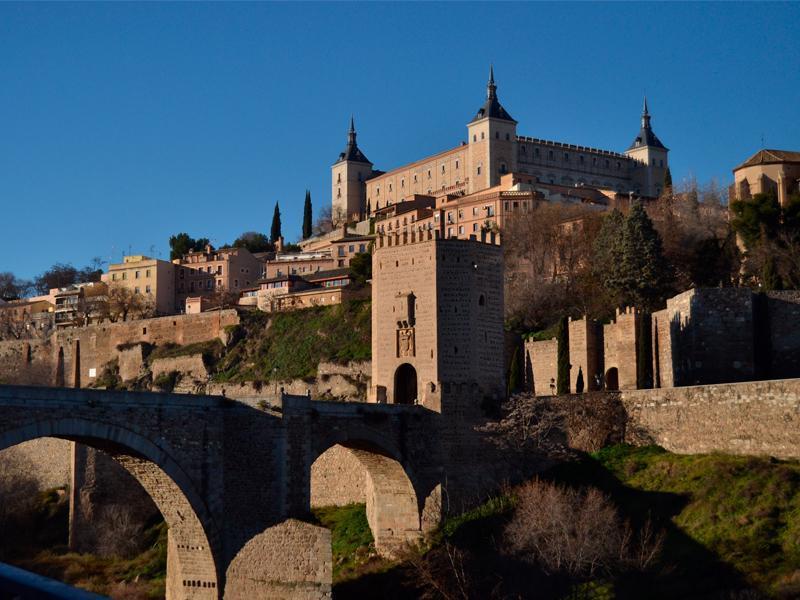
<point>232,481</point>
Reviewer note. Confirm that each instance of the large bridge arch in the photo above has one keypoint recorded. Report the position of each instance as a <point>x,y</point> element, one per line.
<point>193,559</point>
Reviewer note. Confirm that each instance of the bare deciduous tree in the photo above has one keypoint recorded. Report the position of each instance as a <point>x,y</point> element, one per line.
<point>324,222</point>
<point>576,532</point>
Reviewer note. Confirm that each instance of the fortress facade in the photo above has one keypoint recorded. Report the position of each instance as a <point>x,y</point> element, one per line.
<point>493,148</point>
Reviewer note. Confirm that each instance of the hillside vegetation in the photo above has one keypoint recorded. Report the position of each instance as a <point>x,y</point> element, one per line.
<point>291,345</point>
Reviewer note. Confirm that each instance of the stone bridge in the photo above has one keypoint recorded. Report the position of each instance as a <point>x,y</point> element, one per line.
<point>233,482</point>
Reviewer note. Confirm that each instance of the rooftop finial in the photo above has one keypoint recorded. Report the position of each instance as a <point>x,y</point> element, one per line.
<point>644,109</point>
<point>491,88</point>
<point>645,115</point>
<point>351,134</point>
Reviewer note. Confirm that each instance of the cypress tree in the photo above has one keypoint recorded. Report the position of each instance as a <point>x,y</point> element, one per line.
<point>644,352</point>
<point>562,383</point>
<point>307,217</point>
<point>667,180</point>
<point>275,232</point>
<point>579,382</point>
<point>515,373</point>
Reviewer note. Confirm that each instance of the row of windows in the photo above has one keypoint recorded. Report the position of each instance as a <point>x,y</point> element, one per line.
<point>403,181</point>
<point>496,136</point>
<point>136,275</point>
<point>209,285</point>
<point>566,157</point>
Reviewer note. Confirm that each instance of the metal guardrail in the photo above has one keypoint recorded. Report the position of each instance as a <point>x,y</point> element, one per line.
<point>18,584</point>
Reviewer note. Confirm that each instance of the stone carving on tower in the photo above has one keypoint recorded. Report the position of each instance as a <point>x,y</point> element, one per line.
<point>406,307</point>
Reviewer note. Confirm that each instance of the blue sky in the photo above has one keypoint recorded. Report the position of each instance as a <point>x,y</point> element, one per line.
<point>121,124</point>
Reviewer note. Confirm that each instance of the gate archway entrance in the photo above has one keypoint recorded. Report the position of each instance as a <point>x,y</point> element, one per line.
<point>405,384</point>
<point>612,379</point>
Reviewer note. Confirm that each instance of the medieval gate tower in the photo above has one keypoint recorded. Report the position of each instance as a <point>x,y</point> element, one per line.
<point>437,321</point>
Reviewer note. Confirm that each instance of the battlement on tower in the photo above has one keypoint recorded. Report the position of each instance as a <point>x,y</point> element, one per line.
<point>388,240</point>
<point>437,320</point>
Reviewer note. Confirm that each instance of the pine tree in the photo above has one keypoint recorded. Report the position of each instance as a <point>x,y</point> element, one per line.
<point>608,253</point>
<point>667,180</point>
<point>562,357</point>
<point>307,218</point>
<point>275,232</point>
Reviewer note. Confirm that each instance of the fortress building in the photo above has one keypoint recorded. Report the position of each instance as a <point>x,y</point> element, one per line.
<point>492,150</point>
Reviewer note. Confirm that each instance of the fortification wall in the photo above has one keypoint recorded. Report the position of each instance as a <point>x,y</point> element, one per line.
<point>756,418</point>
<point>784,333</point>
<point>585,353</point>
<point>704,336</point>
<point>26,362</point>
<point>619,350</point>
<point>87,349</point>
<point>543,356</point>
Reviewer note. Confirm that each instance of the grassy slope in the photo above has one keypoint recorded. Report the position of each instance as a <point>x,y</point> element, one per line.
<point>731,522</point>
<point>294,343</point>
<point>745,510</point>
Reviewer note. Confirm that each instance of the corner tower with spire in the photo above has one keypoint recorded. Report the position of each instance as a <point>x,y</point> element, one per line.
<point>492,141</point>
<point>348,175</point>
<point>651,156</point>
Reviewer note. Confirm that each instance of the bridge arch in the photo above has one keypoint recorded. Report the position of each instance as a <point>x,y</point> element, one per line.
<point>193,567</point>
<point>387,487</point>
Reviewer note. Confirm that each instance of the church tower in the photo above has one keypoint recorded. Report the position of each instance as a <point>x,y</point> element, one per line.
<point>492,141</point>
<point>348,175</point>
<point>652,155</point>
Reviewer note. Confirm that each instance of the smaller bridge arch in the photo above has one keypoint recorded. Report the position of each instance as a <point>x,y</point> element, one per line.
<point>392,502</point>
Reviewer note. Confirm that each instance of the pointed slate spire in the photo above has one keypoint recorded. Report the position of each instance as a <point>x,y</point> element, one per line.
<point>492,107</point>
<point>646,136</point>
<point>491,88</point>
<point>351,151</point>
<point>351,134</point>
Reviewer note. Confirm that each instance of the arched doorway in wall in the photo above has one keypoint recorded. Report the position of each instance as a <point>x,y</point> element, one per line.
<point>612,379</point>
<point>405,384</point>
<point>192,540</point>
<point>357,472</point>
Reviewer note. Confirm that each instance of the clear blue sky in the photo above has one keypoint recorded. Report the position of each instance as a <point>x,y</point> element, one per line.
<point>122,124</point>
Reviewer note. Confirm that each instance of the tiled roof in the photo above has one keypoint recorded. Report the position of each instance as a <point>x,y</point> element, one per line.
<point>765,157</point>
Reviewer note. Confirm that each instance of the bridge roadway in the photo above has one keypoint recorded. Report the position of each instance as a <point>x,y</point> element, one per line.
<point>233,482</point>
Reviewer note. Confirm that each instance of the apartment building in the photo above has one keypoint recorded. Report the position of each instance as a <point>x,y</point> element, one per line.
<point>150,277</point>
